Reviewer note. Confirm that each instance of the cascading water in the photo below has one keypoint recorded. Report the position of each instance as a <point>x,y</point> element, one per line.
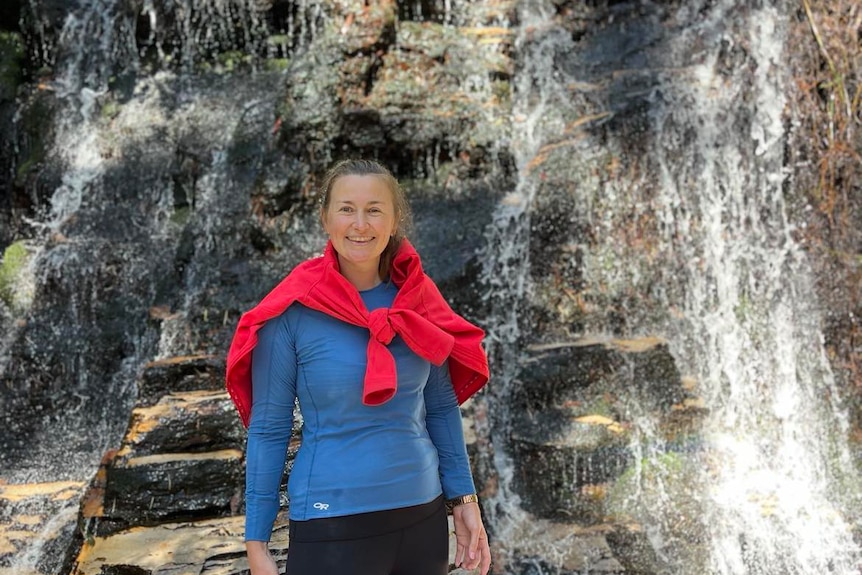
<point>778,489</point>
<point>117,139</point>
<point>540,107</point>
<point>710,264</point>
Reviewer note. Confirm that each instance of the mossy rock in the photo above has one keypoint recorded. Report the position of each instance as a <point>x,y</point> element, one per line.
<point>11,58</point>
<point>15,260</point>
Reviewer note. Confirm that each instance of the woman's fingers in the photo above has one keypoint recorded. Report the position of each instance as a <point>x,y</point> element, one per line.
<point>459,554</point>
<point>474,547</point>
<point>485,551</point>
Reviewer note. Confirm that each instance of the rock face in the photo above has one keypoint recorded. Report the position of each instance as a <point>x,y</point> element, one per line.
<point>161,176</point>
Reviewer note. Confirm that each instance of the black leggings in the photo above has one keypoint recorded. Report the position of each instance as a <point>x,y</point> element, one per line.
<point>407,541</point>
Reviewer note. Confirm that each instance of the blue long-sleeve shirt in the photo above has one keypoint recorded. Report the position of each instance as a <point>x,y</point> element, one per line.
<point>354,458</point>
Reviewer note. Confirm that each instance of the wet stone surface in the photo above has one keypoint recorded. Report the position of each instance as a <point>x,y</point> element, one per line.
<point>36,524</point>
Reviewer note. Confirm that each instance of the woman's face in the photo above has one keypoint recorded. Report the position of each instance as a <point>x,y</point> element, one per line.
<point>360,219</point>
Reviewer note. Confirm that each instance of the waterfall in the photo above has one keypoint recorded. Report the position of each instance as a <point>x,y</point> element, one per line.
<point>714,269</point>
<point>652,201</point>
<point>131,151</point>
<point>540,107</point>
<point>751,333</point>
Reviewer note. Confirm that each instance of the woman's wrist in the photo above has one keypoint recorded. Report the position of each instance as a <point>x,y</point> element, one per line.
<point>254,547</point>
<point>461,500</point>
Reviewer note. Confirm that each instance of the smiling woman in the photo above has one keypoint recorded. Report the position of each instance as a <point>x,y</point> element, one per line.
<point>357,180</point>
<point>379,364</point>
<point>360,216</point>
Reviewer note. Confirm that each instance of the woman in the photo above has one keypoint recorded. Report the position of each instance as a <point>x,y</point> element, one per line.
<point>379,364</point>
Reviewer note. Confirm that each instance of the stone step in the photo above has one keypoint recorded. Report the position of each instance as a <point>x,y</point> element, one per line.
<point>150,488</point>
<point>204,547</point>
<point>190,421</point>
<point>213,547</point>
<point>179,374</point>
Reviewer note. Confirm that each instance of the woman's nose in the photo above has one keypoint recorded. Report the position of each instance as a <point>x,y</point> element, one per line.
<point>361,220</point>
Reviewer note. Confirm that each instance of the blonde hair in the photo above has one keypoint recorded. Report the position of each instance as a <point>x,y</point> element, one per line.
<point>403,215</point>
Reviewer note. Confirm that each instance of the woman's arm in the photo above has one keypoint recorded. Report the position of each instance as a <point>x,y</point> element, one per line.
<point>443,421</point>
<point>273,396</point>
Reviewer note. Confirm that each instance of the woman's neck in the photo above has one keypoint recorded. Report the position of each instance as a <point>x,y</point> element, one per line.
<point>361,278</point>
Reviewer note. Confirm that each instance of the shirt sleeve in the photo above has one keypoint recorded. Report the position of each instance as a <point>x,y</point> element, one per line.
<point>273,395</point>
<point>443,420</point>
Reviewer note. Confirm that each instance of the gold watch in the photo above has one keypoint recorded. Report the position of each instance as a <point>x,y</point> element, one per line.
<point>453,503</point>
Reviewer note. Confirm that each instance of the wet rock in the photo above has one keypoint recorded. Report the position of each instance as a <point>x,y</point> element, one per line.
<point>592,374</point>
<point>368,28</point>
<point>562,463</point>
<point>10,13</point>
<point>423,94</point>
<point>33,178</point>
<point>570,374</point>
<point>564,550</point>
<point>412,97</point>
<point>178,374</point>
<point>37,524</point>
<point>647,486</point>
<point>11,77</point>
<point>156,487</point>
<point>11,61</point>
<point>213,546</point>
<point>633,549</point>
<point>570,431</point>
<point>207,546</point>
<point>181,456</point>
<point>190,422</point>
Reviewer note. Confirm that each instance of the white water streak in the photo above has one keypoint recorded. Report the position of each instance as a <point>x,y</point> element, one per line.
<point>506,266</point>
<point>753,336</point>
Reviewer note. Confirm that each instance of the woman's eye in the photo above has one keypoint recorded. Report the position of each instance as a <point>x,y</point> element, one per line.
<point>345,209</point>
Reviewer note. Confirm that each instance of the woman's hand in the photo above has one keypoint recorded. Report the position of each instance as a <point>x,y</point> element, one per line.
<point>471,539</point>
<point>260,561</point>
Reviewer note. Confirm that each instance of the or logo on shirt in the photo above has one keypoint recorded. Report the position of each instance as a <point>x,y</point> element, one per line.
<point>319,505</point>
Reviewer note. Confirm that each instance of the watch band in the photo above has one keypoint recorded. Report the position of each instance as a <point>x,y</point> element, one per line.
<point>455,502</point>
